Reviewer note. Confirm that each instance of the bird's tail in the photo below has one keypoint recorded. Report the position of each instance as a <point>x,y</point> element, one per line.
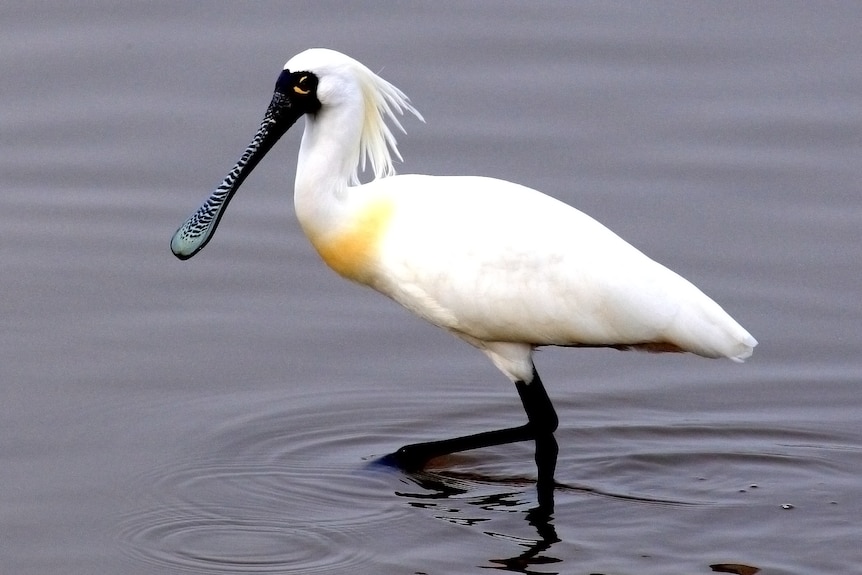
<point>711,332</point>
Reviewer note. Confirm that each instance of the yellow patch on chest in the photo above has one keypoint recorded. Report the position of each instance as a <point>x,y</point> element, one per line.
<point>353,250</point>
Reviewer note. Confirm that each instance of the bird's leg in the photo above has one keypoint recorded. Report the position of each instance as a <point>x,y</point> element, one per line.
<point>415,456</point>
<point>546,464</point>
<point>541,424</point>
<point>542,418</point>
<point>541,415</point>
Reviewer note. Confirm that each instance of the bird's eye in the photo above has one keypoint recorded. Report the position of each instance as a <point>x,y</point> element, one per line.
<point>300,88</point>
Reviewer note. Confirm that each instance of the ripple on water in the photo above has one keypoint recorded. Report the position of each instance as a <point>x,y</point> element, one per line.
<point>287,484</point>
<point>271,489</point>
<point>236,540</point>
<point>711,463</point>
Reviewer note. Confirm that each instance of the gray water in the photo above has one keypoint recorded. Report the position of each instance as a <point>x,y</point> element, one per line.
<point>224,415</point>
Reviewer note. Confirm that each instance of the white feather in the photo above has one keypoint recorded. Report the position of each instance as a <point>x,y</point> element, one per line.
<point>342,78</point>
<point>493,261</point>
<point>504,267</point>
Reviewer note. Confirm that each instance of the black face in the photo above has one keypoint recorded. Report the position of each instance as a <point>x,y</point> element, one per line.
<point>295,95</point>
<point>300,88</point>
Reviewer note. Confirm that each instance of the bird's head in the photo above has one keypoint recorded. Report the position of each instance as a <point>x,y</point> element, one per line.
<point>311,82</point>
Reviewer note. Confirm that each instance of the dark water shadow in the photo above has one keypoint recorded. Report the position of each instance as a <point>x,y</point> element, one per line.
<point>443,488</point>
<point>439,491</point>
<point>278,487</point>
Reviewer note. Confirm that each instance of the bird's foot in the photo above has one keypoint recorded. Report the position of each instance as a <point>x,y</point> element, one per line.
<point>408,458</point>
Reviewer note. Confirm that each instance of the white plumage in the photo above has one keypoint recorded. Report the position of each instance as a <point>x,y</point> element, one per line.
<point>502,266</point>
<point>491,261</point>
<point>494,262</point>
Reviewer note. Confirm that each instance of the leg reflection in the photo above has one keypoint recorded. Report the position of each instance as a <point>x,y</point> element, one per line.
<point>541,516</point>
<point>546,464</point>
<point>446,492</point>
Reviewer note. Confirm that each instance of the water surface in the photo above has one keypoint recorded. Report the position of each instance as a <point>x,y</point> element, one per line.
<point>224,415</point>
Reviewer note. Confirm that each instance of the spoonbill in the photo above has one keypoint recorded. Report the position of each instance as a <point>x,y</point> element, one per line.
<point>501,266</point>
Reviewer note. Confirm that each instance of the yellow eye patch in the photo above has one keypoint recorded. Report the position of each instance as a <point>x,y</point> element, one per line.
<point>298,90</point>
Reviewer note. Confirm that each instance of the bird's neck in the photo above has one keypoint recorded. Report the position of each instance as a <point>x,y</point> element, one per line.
<point>328,157</point>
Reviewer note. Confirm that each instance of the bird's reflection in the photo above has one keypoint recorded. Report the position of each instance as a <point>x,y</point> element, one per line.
<point>450,485</point>
<point>534,552</point>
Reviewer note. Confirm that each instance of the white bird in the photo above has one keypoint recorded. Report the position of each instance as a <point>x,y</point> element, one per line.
<point>501,266</point>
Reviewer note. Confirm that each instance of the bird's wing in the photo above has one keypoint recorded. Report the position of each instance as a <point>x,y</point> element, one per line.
<point>501,262</point>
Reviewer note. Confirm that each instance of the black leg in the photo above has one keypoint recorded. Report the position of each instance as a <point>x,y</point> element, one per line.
<point>541,423</point>
<point>541,415</point>
<point>543,419</point>
<point>546,464</point>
